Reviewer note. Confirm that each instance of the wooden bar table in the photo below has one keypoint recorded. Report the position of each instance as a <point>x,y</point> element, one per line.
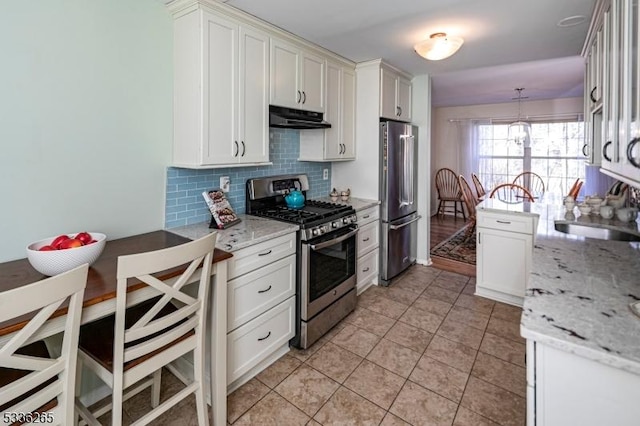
<point>100,300</point>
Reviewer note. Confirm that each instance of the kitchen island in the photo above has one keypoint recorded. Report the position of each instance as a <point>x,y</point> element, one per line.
<point>583,349</point>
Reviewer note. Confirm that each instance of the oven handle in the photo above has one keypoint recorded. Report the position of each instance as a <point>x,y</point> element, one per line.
<point>394,227</point>
<point>334,241</point>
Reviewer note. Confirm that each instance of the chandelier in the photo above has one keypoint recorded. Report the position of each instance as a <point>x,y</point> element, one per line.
<point>519,131</point>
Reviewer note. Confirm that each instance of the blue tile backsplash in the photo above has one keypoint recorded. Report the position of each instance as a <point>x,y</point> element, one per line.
<point>184,202</point>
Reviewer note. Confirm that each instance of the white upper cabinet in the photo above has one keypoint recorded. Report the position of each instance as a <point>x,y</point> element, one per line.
<point>297,77</point>
<point>338,142</point>
<point>224,120</point>
<point>616,45</point>
<point>395,95</point>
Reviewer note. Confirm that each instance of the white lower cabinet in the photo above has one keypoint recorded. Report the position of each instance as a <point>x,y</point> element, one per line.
<point>567,389</point>
<point>504,244</point>
<point>260,307</point>
<point>251,343</point>
<point>368,243</point>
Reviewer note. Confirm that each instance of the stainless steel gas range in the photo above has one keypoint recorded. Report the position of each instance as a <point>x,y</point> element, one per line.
<point>326,271</point>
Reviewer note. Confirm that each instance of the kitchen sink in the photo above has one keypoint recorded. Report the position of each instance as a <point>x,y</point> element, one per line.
<point>594,232</point>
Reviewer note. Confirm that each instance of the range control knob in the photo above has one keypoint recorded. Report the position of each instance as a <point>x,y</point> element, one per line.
<point>315,231</point>
<point>345,220</point>
<point>334,224</point>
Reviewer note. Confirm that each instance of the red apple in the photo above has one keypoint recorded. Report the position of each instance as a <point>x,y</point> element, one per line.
<point>46,248</point>
<point>85,237</point>
<point>92,241</point>
<point>57,240</point>
<point>70,243</point>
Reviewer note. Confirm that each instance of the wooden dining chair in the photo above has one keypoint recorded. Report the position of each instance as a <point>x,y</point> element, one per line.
<point>127,350</point>
<point>480,191</point>
<point>532,182</point>
<point>471,201</point>
<point>448,189</point>
<point>34,385</point>
<point>511,193</point>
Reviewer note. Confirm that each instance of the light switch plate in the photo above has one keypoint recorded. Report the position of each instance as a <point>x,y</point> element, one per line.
<point>225,183</point>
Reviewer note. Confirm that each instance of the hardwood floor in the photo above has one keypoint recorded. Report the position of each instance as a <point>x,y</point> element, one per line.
<point>441,229</point>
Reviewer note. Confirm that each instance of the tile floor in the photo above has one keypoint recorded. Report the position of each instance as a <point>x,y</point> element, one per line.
<point>424,351</point>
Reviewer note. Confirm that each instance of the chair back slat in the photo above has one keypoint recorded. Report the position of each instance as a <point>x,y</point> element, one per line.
<point>43,297</point>
<point>186,314</point>
<point>511,193</point>
<point>447,183</point>
<point>161,323</point>
<point>531,182</point>
<point>470,199</point>
<point>478,185</point>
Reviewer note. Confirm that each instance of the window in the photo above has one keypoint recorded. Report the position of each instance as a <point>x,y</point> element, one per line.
<point>555,155</point>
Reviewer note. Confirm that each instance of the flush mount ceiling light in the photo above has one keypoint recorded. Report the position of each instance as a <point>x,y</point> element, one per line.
<point>519,131</point>
<point>438,46</point>
<point>572,21</point>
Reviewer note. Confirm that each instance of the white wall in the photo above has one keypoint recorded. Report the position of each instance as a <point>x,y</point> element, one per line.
<point>85,118</point>
<point>445,149</point>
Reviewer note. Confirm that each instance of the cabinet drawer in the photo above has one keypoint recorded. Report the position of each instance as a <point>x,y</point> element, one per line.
<point>367,268</point>
<point>511,223</point>
<point>254,293</point>
<point>368,238</point>
<point>257,339</point>
<point>368,215</point>
<point>256,256</point>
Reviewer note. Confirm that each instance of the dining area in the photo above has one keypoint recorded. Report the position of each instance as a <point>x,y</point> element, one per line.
<point>146,301</point>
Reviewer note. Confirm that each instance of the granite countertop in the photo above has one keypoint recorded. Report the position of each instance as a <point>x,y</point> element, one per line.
<point>580,289</point>
<point>357,203</point>
<point>251,230</point>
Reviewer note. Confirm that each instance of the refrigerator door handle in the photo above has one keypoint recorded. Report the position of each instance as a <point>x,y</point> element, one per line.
<point>406,183</point>
<point>394,227</point>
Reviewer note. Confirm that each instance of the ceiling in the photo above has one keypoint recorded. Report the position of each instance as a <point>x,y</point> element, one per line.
<point>508,43</point>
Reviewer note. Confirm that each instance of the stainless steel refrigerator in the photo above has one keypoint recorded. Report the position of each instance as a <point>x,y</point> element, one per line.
<point>398,210</point>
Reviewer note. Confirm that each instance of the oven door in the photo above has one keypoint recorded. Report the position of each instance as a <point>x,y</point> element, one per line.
<point>328,270</point>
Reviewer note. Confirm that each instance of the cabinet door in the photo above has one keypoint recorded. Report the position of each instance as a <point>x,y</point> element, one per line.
<point>404,99</point>
<point>312,82</point>
<point>254,96</point>
<point>503,261</point>
<point>388,105</point>
<point>630,140</point>
<point>285,75</point>
<point>333,136</point>
<point>220,90</point>
<point>348,114</point>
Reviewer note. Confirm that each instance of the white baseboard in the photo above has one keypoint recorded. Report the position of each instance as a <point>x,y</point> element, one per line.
<point>500,296</point>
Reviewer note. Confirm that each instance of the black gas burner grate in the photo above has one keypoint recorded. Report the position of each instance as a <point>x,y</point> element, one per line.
<point>311,212</point>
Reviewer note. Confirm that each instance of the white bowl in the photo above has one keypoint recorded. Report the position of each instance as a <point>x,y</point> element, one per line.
<point>55,262</point>
<point>584,209</point>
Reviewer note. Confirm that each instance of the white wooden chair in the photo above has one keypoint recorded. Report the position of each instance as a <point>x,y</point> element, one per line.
<point>127,350</point>
<point>32,382</point>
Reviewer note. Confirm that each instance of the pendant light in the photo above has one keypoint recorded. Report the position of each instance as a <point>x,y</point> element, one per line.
<point>519,131</point>
<point>438,46</point>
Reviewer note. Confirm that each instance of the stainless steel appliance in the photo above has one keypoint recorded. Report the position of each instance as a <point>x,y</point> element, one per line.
<point>326,273</point>
<point>290,118</point>
<point>398,210</point>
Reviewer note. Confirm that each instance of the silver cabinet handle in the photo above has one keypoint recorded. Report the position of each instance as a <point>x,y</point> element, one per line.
<point>243,148</point>
<point>334,241</point>
<point>400,109</point>
<point>366,269</point>
<point>506,222</point>
<point>479,239</point>
<point>265,290</point>
<point>304,97</point>
<point>364,240</point>
<point>264,254</point>
<point>299,97</point>
<point>237,148</point>
<point>260,339</point>
<point>365,217</point>
<point>394,227</point>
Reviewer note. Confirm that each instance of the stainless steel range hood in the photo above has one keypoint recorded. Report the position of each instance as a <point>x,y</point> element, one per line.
<point>290,118</point>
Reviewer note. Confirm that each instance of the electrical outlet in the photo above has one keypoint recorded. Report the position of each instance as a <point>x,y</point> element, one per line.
<point>225,183</point>
<point>325,174</point>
